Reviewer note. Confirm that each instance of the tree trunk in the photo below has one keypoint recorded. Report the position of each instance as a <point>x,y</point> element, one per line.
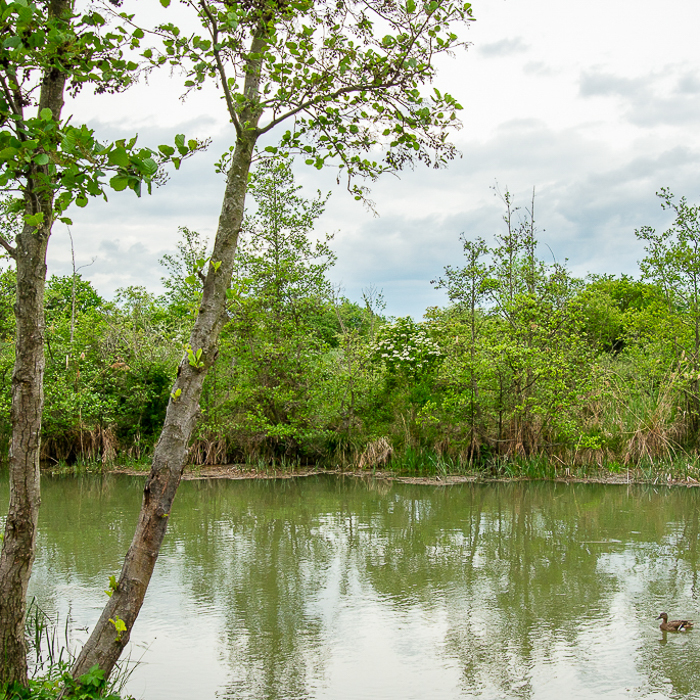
<point>27,402</point>
<point>106,644</point>
<point>17,554</point>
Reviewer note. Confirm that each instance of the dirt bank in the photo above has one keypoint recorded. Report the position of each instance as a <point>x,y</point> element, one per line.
<point>237,471</point>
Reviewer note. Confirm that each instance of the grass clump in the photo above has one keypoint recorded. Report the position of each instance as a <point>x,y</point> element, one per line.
<point>58,683</point>
<point>50,661</point>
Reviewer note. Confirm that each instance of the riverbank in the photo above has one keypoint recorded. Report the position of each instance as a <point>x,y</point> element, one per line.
<point>662,475</point>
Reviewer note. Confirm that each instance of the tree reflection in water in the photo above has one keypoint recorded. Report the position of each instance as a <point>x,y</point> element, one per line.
<point>342,588</point>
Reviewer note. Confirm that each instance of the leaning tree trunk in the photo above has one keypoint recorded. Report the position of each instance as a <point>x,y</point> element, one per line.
<point>18,547</point>
<point>106,642</point>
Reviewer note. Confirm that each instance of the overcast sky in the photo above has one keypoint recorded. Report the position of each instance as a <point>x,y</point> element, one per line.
<point>595,104</point>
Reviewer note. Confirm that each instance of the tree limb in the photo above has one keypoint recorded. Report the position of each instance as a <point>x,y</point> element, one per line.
<point>214,32</point>
<point>6,245</point>
<point>324,98</point>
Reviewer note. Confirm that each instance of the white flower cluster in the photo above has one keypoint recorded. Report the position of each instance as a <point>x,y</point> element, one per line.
<point>406,344</point>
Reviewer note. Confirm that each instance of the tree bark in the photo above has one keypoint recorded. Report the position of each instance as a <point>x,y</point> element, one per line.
<point>18,548</point>
<point>106,644</point>
<point>27,402</point>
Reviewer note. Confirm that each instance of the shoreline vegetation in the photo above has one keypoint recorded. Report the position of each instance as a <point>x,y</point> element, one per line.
<point>657,475</point>
<point>527,372</point>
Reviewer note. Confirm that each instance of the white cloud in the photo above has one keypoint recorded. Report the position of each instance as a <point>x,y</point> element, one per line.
<point>503,47</point>
<point>597,114</point>
<point>667,97</point>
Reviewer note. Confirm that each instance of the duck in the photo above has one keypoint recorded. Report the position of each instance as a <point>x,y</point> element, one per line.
<point>674,625</point>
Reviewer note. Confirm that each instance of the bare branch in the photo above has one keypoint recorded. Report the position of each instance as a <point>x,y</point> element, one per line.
<point>6,245</point>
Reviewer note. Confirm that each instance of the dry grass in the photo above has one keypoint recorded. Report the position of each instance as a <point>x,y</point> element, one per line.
<point>650,423</point>
<point>208,451</point>
<point>376,454</point>
<point>96,444</point>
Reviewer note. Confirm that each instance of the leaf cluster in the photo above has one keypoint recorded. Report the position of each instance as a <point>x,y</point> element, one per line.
<point>348,76</point>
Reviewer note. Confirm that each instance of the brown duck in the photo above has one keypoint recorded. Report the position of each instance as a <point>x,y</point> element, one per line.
<point>674,625</point>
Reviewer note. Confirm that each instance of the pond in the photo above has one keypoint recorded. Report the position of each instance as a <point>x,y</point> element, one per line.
<point>335,588</point>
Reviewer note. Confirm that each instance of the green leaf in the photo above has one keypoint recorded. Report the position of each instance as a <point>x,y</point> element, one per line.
<point>46,114</point>
<point>165,3</point>
<point>119,157</point>
<point>180,143</point>
<point>119,183</point>
<point>68,144</point>
<point>41,159</point>
<point>166,150</point>
<point>119,626</point>
<point>81,200</point>
<point>66,220</point>
<point>34,219</point>
<point>150,165</point>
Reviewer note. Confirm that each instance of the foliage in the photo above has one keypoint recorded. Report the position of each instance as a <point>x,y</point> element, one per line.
<point>348,76</point>
<point>320,67</point>
<point>526,362</point>
<point>279,307</point>
<point>673,264</point>
<point>60,684</point>
<point>405,347</point>
<point>109,387</point>
<point>182,284</point>
<point>60,158</point>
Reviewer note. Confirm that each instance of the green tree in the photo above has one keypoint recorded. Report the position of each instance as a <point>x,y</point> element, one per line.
<point>344,78</point>
<point>183,282</point>
<point>514,359</point>
<point>673,263</point>
<point>466,287</point>
<point>277,265</point>
<point>532,300</point>
<point>618,310</point>
<point>352,365</point>
<point>48,49</point>
<point>108,372</point>
<point>272,345</point>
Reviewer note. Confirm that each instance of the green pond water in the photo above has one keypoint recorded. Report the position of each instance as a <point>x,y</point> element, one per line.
<point>333,589</point>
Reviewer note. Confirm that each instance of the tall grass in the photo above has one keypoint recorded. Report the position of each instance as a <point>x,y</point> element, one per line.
<point>50,657</point>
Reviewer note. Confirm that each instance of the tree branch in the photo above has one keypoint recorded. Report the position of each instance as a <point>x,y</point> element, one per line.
<point>325,98</point>
<point>6,245</point>
<point>214,32</point>
<point>10,96</point>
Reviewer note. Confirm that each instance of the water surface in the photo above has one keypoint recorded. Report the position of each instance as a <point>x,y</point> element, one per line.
<point>331,589</point>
